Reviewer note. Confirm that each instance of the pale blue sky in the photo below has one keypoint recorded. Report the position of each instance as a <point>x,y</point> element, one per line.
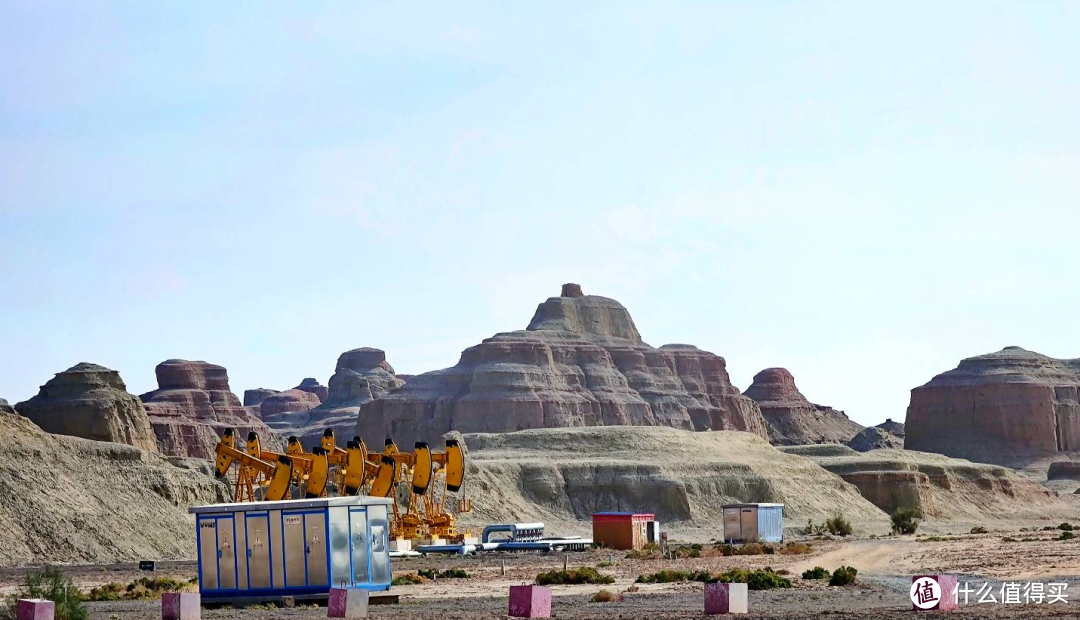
<point>861,193</point>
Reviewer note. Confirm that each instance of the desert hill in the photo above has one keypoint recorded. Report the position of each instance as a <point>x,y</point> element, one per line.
<point>69,500</point>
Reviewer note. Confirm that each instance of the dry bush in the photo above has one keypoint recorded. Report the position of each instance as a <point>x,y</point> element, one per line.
<point>604,596</point>
<point>795,548</point>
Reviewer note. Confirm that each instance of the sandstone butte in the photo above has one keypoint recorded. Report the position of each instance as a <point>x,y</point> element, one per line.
<point>995,406</point>
<point>91,402</point>
<point>580,362</point>
<point>193,405</point>
<point>313,386</point>
<point>793,420</point>
<point>360,376</point>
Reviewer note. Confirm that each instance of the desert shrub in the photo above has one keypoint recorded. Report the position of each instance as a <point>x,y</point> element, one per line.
<point>843,576</point>
<point>585,574</point>
<point>692,551</point>
<point>724,550</point>
<point>839,526</point>
<point>407,579</point>
<point>751,549</point>
<point>49,584</point>
<point>605,564</point>
<point>674,576</point>
<point>1009,539</point>
<point>108,592</point>
<point>642,554</point>
<point>450,573</point>
<point>795,548</point>
<point>818,572</point>
<point>1048,528</point>
<point>905,520</point>
<point>978,530</point>
<point>763,579</point>
<point>604,596</point>
<point>1066,536</point>
<point>142,589</point>
<point>1065,527</point>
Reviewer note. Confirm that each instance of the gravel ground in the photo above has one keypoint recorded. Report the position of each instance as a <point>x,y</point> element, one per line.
<point>885,568</point>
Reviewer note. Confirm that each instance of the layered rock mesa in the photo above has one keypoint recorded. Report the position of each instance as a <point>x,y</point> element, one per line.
<point>91,402</point>
<point>255,397</point>
<point>580,362</point>
<point>994,406</point>
<point>946,490</point>
<point>192,407</point>
<point>793,420</point>
<point>312,385</point>
<point>360,376</point>
<point>562,475</point>
<point>71,500</point>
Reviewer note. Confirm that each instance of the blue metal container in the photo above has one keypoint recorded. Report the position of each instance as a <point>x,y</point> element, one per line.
<point>292,548</point>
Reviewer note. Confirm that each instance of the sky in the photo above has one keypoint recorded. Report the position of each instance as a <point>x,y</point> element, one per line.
<point>859,192</point>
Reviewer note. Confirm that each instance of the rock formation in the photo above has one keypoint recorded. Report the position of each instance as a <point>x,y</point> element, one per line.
<point>254,398</point>
<point>5,406</point>
<point>70,500</point>
<point>289,400</point>
<point>1067,470</point>
<point>193,405</point>
<point>562,475</point>
<point>360,376</point>
<point>875,438</point>
<point>580,362</point>
<point>793,420</point>
<point>892,427</point>
<point>996,406</point>
<point>312,385</point>
<point>92,402</point>
<point>943,488</point>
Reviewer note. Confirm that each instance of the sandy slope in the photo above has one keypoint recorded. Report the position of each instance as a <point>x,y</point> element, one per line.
<point>65,500</point>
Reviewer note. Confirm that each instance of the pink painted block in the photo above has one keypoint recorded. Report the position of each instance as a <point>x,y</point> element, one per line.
<point>181,606</point>
<point>35,609</point>
<point>726,598</point>
<point>945,592</point>
<point>347,603</point>
<point>948,585</point>
<point>530,602</point>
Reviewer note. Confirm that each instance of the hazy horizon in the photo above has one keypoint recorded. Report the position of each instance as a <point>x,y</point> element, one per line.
<point>862,195</point>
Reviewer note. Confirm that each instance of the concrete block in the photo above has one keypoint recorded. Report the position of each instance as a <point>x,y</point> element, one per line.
<point>726,598</point>
<point>35,609</point>
<point>347,603</point>
<point>181,606</point>
<point>948,585</point>
<point>530,602</point>
<point>944,593</point>
<point>401,544</point>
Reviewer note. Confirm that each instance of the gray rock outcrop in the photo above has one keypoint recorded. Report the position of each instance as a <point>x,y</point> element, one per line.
<point>91,402</point>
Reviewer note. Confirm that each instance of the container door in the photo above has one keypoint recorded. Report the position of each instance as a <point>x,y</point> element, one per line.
<point>295,557</point>
<point>208,556</point>
<point>316,548</point>
<point>749,524</point>
<point>358,546</point>
<point>732,525</point>
<point>380,545</point>
<point>226,548</point>
<point>258,552</point>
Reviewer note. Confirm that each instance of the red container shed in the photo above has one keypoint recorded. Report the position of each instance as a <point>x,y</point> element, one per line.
<point>622,530</point>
